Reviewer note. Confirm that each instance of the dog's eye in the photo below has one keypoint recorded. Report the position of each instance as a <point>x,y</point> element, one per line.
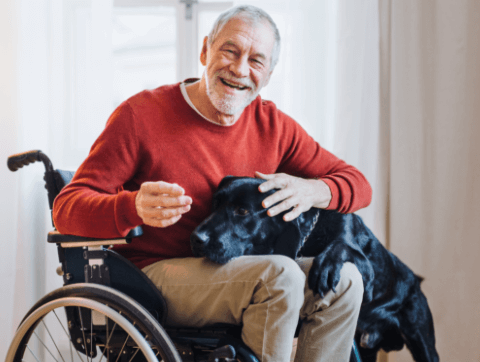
<point>241,211</point>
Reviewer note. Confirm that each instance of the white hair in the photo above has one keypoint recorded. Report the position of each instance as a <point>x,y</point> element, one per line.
<point>255,15</point>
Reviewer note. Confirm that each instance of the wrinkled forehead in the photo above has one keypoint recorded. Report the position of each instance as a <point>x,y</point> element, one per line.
<point>247,33</point>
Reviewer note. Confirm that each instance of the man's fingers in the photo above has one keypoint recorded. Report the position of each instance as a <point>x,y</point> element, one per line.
<point>275,181</point>
<point>164,213</point>
<point>283,206</point>
<point>276,197</point>
<point>166,201</point>
<point>170,189</point>
<point>162,223</point>
<point>292,215</point>
<point>264,176</point>
<point>161,188</point>
<point>161,204</point>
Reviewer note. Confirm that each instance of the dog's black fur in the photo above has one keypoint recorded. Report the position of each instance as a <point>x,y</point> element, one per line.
<point>394,312</point>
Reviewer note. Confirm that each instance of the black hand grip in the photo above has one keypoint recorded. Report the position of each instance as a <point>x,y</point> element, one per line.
<point>19,160</point>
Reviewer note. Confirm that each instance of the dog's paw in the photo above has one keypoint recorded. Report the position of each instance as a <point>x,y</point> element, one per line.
<point>369,340</point>
<point>324,274</point>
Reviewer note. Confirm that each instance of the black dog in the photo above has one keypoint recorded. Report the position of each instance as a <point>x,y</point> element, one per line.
<point>394,310</point>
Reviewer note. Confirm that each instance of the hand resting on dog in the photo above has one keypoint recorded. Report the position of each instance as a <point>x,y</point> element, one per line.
<point>394,312</point>
<point>295,193</point>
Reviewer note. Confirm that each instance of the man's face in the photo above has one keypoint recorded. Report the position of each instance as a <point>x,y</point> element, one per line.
<point>237,64</point>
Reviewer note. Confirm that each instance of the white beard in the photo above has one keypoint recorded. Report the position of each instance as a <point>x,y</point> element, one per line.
<point>227,103</point>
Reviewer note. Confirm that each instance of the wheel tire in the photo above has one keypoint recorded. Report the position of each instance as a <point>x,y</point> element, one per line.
<point>118,309</point>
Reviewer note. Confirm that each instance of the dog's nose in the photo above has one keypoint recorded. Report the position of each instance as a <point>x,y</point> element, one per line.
<point>199,239</point>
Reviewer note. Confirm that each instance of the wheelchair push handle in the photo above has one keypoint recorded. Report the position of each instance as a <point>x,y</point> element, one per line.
<point>19,160</point>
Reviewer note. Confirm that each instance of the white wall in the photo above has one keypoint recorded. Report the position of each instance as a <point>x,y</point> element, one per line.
<point>8,141</point>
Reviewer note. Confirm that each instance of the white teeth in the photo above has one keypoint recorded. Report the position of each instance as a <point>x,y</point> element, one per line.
<point>233,85</point>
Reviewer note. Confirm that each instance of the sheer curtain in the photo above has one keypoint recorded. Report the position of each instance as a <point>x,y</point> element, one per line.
<point>57,96</point>
<point>327,79</point>
<point>391,86</point>
<point>37,112</point>
<point>431,93</point>
<point>8,142</point>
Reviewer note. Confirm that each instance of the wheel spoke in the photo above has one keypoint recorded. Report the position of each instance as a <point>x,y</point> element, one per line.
<point>48,331</point>
<point>45,346</point>
<point>131,359</point>
<point>124,344</point>
<point>108,352</point>
<point>33,354</point>
<point>117,336</point>
<point>83,333</point>
<point>91,333</point>
<point>68,336</point>
<point>108,341</point>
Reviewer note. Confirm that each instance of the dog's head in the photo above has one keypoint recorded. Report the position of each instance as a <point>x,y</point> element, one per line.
<point>239,225</point>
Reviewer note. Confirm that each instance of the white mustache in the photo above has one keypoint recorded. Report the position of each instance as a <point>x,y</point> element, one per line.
<point>228,77</point>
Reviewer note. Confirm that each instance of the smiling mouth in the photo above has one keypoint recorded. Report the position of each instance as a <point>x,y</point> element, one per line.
<point>232,85</point>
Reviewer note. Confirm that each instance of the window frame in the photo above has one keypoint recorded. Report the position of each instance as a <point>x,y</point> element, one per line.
<point>187,13</point>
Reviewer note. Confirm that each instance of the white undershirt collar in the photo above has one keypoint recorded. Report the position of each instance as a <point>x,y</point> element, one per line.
<point>183,89</point>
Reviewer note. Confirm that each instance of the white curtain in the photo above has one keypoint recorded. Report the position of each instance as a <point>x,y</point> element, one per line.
<point>9,188</point>
<point>24,89</point>
<point>37,112</point>
<point>391,87</point>
<point>432,95</point>
<point>327,79</point>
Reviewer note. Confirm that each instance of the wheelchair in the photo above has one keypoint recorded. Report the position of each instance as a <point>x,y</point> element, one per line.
<point>108,309</point>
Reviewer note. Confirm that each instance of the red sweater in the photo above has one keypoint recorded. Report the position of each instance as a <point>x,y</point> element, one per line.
<point>156,135</point>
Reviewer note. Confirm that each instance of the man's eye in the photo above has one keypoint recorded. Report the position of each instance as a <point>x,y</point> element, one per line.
<point>241,211</point>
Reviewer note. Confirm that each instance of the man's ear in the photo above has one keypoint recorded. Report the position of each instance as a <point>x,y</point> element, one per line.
<point>268,78</point>
<point>203,54</point>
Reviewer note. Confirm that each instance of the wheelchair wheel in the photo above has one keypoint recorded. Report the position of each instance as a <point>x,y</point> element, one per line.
<point>90,323</point>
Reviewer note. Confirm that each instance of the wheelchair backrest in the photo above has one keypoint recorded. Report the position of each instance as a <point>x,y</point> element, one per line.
<point>115,270</point>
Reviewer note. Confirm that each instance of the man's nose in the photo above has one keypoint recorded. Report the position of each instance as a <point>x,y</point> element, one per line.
<point>240,67</point>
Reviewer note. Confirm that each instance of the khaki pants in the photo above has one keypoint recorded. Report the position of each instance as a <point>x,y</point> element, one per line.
<point>267,295</point>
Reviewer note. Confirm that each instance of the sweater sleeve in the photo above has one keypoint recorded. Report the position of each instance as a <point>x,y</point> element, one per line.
<point>95,204</point>
<point>304,157</point>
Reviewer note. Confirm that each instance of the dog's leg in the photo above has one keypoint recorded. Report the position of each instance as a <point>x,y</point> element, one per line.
<point>334,241</point>
<point>368,355</point>
<point>416,324</point>
<point>325,272</point>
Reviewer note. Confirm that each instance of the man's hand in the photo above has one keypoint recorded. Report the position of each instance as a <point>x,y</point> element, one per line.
<point>161,204</point>
<point>300,193</point>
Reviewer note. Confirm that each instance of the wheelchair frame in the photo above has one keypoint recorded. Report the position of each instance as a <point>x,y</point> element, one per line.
<point>118,294</point>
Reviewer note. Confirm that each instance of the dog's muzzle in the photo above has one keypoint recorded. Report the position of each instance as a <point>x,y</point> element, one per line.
<point>198,241</point>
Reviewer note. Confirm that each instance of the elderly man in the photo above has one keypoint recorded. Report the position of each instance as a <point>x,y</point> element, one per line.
<point>160,158</point>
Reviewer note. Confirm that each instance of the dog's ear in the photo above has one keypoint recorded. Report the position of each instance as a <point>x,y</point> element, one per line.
<point>295,232</point>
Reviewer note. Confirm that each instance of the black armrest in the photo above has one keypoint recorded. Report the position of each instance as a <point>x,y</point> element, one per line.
<point>56,237</point>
